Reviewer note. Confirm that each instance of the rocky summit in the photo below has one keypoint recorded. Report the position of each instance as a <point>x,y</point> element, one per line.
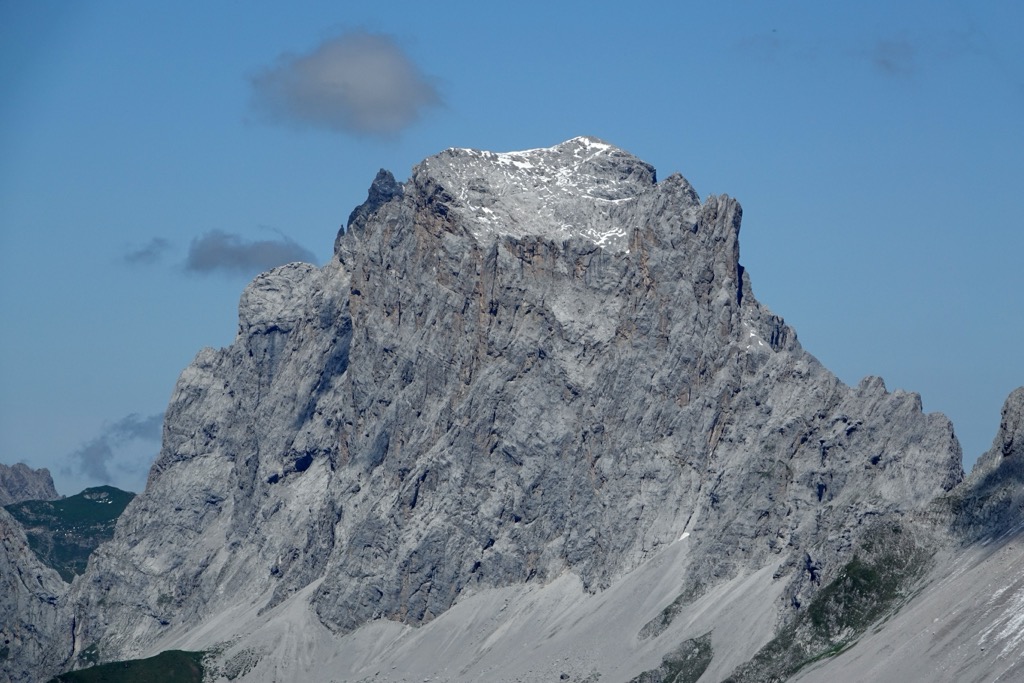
<point>529,423</point>
<point>19,482</point>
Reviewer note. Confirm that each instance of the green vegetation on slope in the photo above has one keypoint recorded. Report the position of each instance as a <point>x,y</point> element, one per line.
<point>663,620</point>
<point>867,588</point>
<point>63,533</point>
<point>685,664</point>
<point>173,666</point>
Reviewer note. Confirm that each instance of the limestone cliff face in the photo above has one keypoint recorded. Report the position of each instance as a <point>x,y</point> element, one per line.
<point>516,365</point>
<point>1008,446</point>
<point>963,622</point>
<point>991,501</point>
<point>19,482</point>
<point>31,625</point>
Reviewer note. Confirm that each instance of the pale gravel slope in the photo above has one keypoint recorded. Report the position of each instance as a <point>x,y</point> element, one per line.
<point>966,626</point>
<point>518,633</point>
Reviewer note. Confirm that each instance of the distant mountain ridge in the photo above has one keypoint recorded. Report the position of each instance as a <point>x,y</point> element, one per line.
<point>20,482</point>
<point>531,405</point>
<point>63,533</point>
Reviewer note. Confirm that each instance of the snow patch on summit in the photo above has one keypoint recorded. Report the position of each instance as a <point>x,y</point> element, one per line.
<point>583,187</point>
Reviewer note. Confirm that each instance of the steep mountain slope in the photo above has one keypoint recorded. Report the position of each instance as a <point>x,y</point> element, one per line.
<point>30,622</point>
<point>20,482</point>
<point>63,533</point>
<point>534,381</point>
<point>992,501</point>
<point>967,624</point>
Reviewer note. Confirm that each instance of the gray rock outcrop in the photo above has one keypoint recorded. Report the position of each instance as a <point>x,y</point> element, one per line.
<point>19,482</point>
<point>1007,449</point>
<point>516,366</point>
<point>991,501</point>
<point>31,623</point>
<point>963,623</point>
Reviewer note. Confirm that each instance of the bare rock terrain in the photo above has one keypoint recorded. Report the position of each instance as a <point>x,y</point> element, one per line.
<point>529,423</point>
<point>19,482</point>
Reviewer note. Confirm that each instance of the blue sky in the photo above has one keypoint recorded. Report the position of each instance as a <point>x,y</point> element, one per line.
<point>150,163</point>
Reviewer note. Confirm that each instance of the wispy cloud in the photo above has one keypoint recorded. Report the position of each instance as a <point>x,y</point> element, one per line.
<point>775,49</point>
<point>94,458</point>
<point>218,251</point>
<point>894,56</point>
<point>767,46</point>
<point>149,254</point>
<point>891,55</point>
<point>359,83</point>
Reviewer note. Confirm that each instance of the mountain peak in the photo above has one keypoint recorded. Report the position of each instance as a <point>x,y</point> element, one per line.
<point>525,371</point>
<point>583,187</point>
<point>20,482</point>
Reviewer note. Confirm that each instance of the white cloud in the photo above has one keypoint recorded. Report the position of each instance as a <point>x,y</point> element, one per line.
<point>93,458</point>
<point>148,254</point>
<point>359,83</point>
<point>228,253</point>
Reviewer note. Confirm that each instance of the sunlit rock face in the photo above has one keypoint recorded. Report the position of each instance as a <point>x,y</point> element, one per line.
<point>517,367</point>
<point>19,482</point>
<point>991,501</point>
<point>30,621</point>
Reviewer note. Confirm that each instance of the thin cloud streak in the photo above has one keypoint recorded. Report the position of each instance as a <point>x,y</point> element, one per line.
<point>149,254</point>
<point>894,56</point>
<point>358,83</point>
<point>218,251</point>
<point>93,458</point>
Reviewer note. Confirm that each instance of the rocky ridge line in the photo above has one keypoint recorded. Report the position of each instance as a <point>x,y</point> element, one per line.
<point>19,482</point>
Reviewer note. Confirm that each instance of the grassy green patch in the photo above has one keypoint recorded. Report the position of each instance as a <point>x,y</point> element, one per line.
<point>866,589</point>
<point>658,624</point>
<point>173,666</point>
<point>63,533</point>
<point>685,664</point>
<point>857,597</point>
